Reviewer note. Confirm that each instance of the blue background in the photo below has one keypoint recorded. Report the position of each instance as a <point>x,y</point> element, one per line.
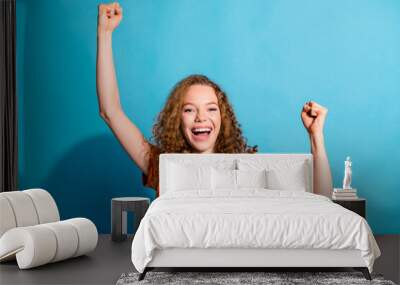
<point>269,56</point>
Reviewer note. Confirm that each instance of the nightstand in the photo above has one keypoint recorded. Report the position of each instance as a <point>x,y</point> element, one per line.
<point>119,208</point>
<point>356,205</point>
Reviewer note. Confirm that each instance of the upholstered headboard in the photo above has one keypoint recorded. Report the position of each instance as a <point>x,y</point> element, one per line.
<point>292,169</point>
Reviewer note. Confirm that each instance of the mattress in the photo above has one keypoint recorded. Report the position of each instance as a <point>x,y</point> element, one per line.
<point>252,219</point>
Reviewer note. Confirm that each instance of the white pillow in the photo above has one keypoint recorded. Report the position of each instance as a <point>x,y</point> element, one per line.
<point>181,177</point>
<point>288,179</point>
<point>236,179</point>
<point>224,179</point>
<point>281,174</point>
<point>251,178</point>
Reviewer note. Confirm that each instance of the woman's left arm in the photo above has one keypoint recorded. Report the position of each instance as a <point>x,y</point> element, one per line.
<point>313,116</point>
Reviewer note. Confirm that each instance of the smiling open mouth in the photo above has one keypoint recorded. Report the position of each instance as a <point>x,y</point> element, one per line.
<point>201,133</point>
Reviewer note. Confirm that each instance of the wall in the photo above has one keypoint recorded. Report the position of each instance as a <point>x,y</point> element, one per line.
<point>269,56</point>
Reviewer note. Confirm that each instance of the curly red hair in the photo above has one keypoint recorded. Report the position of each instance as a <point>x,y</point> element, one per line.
<point>167,133</point>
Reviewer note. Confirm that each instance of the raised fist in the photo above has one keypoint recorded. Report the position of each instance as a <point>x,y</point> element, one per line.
<point>109,17</point>
<point>313,116</point>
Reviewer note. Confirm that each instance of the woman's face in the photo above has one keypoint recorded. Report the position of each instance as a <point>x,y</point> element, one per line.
<point>201,118</point>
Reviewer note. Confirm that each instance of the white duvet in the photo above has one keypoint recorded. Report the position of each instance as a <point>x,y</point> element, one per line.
<point>251,218</point>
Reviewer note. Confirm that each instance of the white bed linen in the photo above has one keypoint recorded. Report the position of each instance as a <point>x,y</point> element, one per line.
<point>250,218</point>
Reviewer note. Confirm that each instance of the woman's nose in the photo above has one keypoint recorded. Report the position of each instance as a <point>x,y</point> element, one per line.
<point>200,116</point>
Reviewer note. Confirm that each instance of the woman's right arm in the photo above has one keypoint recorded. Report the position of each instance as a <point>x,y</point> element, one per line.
<point>110,109</point>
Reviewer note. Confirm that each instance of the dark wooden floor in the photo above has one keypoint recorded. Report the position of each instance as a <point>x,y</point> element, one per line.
<point>110,260</point>
<point>389,262</point>
<point>103,266</point>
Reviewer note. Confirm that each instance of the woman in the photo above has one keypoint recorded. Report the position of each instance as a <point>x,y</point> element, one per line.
<point>196,118</point>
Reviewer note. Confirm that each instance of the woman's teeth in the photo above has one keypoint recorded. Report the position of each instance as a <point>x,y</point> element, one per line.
<point>201,134</point>
<point>201,130</point>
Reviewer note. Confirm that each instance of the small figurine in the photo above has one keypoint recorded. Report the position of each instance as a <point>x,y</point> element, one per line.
<point>347,174</point>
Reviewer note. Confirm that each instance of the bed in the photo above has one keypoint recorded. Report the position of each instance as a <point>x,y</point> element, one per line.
<point>245,211</point>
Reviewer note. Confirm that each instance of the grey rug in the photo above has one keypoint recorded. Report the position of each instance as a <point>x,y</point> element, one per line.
<point>229,278</point>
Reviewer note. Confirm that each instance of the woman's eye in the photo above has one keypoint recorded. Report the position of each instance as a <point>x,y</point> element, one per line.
<point>213,109</point>
<point>187,110</point>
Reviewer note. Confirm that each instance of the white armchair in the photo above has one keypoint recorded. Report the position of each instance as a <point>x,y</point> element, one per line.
<point>31,230</point>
